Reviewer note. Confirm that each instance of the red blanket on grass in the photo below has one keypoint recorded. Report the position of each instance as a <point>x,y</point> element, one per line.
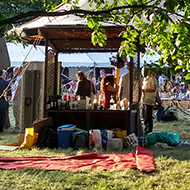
<point>142,160</point>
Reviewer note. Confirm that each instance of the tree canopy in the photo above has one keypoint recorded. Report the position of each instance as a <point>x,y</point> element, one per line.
<point>162,25</point>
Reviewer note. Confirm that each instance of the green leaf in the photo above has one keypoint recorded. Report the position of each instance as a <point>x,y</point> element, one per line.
<point>170,5</point>
<point>179,67</point>
<point>187,77</point>
<point>148,52</point>
<point>90,3</point>
<point>92,23</point>
<point>136,20</point>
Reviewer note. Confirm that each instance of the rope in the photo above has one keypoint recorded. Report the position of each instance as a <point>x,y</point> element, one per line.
<point>180,108</point>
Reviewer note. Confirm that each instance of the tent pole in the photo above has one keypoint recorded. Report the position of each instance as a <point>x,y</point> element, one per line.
<point>130,94</point>
<point>45,75</point>
<point>57,86</point>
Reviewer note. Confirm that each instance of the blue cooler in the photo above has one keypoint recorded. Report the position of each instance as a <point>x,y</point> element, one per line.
<point>64,133</point>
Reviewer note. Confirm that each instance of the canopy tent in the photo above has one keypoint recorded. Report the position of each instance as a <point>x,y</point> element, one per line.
<point>69,33</point>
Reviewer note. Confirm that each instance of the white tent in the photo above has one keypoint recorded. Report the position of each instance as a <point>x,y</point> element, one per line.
<point>18,54</point>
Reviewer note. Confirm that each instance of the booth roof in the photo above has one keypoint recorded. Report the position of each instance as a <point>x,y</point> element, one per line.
<point>69,33</point>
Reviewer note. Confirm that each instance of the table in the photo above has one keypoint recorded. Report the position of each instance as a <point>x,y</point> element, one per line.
<point>95,119</point>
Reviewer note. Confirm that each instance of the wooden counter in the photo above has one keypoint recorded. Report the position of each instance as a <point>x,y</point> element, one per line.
<point>92,119</point>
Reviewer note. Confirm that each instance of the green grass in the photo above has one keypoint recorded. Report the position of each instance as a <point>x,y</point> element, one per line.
<point>172,167</point>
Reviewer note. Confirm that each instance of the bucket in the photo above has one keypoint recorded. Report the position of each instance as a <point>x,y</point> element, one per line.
<point>64,135</point>
<point>115,144</point>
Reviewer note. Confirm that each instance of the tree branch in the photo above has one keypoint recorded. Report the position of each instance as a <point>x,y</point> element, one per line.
<point>23,16</point>
<point>84,12</point>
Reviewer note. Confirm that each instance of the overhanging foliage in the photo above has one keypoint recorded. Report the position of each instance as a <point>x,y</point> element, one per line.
<point>163,24</point>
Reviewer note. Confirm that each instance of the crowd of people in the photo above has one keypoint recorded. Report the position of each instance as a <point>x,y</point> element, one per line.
<point>173,87</point>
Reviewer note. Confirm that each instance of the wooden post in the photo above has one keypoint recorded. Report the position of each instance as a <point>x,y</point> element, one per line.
<point>45,76</point>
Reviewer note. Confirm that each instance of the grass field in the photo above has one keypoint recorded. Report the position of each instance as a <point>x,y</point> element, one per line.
<point>172,167</point>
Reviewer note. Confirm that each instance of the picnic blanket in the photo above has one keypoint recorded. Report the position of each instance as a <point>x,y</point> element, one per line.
<point>142,159</point>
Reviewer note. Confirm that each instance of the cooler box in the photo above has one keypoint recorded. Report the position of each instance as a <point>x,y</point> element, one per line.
<point>64,133</point>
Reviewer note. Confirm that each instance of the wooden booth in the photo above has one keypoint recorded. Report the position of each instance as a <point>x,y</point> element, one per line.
<point>70,34</point>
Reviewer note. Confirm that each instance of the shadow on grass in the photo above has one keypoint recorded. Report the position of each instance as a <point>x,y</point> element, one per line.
<point>180,153</point>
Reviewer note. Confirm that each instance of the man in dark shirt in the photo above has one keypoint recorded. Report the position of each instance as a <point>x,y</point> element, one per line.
<point>4,99</point>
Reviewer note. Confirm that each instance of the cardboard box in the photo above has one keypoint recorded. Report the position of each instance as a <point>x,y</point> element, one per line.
<point>40,124</point>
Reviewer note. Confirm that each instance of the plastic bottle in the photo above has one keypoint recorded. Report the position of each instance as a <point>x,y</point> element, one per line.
<point>112,102</point>
<point>48,106</point>
<point>75,104</point>
<point>101,102</point>
<point>95,103</point>
<point>63,103</point>
<point>69,103</point>
<point>51,103</point>
<point>59,104</point>
<point>118,105</point>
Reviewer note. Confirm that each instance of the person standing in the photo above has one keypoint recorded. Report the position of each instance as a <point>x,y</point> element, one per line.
<point>124,93</point>
<point>92,80</point>
<point>91,77</point>
<point>71,90</point>
<point>149,87</point>
<point>124,85</point>
<point>7,122</point>
<point>108,89</point>
<point>3,99</point>
<point>16,96</point>
<point>161,80</point>
<point>102,74</point>
<point>83,86</point>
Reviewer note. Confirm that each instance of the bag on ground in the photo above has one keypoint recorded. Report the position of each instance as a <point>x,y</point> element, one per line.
<point>78,140</point>
<point>47,138</point>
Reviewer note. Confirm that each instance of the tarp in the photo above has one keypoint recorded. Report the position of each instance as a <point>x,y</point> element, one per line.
<point>142,160</point>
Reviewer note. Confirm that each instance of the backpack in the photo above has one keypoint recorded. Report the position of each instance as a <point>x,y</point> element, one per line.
<point>170,115</point>
<point>47,138</point>
<point>78,140</point>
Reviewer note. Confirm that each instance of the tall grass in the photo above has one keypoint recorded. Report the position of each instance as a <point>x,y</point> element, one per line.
<point>172,167</point>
